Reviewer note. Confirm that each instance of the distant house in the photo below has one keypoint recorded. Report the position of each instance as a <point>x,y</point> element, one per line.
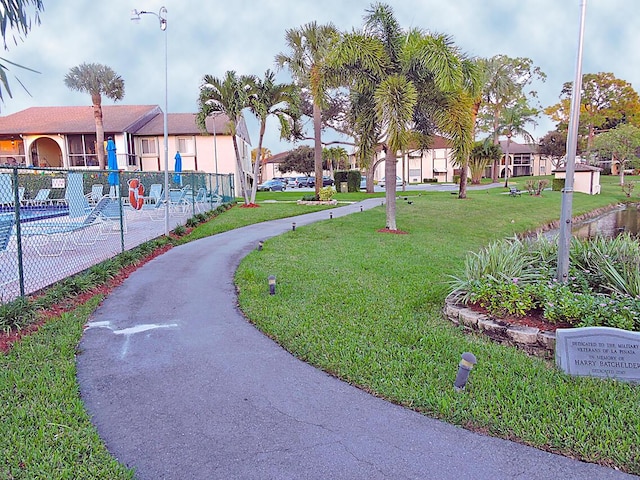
<point>434,163</point>
<point>586,179</point>
<point>64,137</point>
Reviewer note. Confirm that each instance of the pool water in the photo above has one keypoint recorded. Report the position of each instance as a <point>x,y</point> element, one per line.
<point>33,213</point>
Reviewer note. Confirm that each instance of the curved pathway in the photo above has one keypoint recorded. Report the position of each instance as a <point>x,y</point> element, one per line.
<point>181,386</point>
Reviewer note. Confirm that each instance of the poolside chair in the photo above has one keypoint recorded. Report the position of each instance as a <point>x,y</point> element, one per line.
<point>96,193</point>
<point>178,200</point>
<point>155,193</point>
<point>63,230</point>
<point>41,198</point>
<point>7,196</point>
<point>8,267</point>
<point>200,201</point>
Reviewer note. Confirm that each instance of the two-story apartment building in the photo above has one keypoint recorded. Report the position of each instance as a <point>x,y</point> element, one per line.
<point>65,137</point>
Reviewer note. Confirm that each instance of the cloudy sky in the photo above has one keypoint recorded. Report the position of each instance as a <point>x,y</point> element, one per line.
<point>211,37</point>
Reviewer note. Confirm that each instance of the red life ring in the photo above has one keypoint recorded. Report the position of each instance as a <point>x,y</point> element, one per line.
<point>136,193</point>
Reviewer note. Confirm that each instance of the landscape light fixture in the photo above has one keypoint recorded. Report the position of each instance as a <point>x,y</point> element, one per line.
<point>293,226</point>
<point>467,362</point>
<point>272,284</point>
<point>330,214</point>
<point>162,17</point>
<point>260,245</point>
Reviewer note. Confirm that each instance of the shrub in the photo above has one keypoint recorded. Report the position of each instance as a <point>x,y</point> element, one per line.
<point>352,177</point>
<point>326,194</point>
<point>513,276</point>
<point>557,185</point>
<point>179,230</point>
<point>310,198</point>
<point>627,188</point>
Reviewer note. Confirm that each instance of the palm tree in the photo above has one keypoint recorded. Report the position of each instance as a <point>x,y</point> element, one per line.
<point>512,123</point>
<point>270,98</point>
<point>265,154</point>
<point>399,81</point>
<point>309,47</point>
<point>96,80</point>
<point>482,154</point>
<point>333,157</point>
<point>229,96</point>
<point>15,17</point>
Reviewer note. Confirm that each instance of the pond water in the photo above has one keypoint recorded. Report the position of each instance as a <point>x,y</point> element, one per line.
<point>610,224</point>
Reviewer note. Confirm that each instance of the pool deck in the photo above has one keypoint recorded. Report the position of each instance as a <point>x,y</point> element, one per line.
<point>47,260</point>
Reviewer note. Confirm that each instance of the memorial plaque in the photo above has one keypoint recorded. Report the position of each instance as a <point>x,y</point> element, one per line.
<point>599,352</point>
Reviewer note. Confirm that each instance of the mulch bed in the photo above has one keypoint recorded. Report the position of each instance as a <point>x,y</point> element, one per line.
<point>533,318</point>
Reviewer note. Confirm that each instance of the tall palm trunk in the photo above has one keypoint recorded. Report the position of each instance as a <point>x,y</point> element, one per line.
<point>96,99</point>
<point>390,188</point>
<point>317,143</point>
<point>256,167</point>
<point>243,182</point>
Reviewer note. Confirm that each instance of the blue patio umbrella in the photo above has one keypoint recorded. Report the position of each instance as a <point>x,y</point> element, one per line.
<point>178,168</point>
<point>112,162</point>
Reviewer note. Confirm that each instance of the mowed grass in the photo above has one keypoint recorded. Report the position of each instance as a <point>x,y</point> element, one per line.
<point>45,432</point>
<point>367,307</point>
<point>393,340</point>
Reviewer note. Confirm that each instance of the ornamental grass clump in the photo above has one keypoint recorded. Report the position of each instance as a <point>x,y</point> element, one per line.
<point>516,277</point>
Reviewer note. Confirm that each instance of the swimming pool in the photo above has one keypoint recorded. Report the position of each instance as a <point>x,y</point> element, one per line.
<point>32,213</point>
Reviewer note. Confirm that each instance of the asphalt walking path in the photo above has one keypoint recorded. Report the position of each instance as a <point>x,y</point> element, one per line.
<point>181,386</point>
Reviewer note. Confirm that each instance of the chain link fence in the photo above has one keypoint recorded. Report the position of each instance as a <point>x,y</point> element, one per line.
<point>56,223</point>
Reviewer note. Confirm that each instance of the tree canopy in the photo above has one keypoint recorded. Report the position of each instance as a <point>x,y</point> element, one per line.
<point>300,160</point>
<point>621,144</point>
<point>96,80</point>
<point>16,18</point>
<point>606,101</point>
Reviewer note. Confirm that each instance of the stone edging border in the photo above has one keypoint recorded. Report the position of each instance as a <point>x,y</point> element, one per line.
<point>317,202</point>
<point>532,340</point>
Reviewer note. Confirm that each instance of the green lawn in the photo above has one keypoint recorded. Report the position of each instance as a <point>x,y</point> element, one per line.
<point>367,307</point>
<point>369,310</point>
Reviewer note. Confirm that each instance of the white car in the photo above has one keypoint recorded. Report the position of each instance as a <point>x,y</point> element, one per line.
<point>382,182</point>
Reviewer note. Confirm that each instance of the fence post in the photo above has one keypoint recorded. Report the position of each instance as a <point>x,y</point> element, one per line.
<point>16,211</point>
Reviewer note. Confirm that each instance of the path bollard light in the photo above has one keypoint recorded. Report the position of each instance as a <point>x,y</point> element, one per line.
<point>330,214</point>
<point>360,207</point>
<point>293,226</point>
<point>464,368</point>
<point>260,245</point>
<point>272,284</point>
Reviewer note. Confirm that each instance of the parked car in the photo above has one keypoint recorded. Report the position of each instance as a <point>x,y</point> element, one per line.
<point>306,182</point>
<point>301,182</point>
<point>326,181</point>
<point>272,186</point>
<point>291,182</point>
<point>383,182</point>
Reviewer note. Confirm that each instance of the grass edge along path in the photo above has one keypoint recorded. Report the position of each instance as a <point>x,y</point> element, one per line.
<point>367,307</point>
<point>45,430</point>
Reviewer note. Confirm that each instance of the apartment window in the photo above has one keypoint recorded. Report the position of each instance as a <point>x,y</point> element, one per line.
<point>82,150</point>
<point>148,146</point>
<point>185,145</point>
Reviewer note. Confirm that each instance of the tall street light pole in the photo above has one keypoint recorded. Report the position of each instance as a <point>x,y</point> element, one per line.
<point>162,17</point>
<point>564,239</point>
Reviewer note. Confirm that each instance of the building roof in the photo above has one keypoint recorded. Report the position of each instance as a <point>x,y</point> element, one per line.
<point>515,148</point>
<point>70,120</point>
<point>134,119</point>
<point>580,167</point>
